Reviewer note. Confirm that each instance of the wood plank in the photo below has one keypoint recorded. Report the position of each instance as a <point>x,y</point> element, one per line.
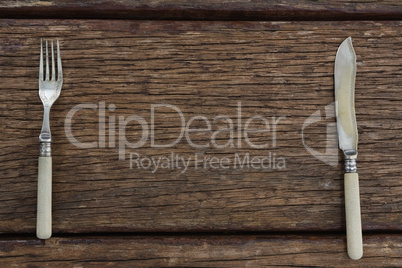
<point>272,69</point>
<point>205,10</point>
<point>199,251</point>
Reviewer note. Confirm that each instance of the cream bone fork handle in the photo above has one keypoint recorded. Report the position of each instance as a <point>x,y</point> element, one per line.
<point>345,73</point>
<point>49,91</point>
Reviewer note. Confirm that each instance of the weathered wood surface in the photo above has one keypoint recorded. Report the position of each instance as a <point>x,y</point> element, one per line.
<point>199,251</point>
<point>273,68</point>
<point>205,9</point>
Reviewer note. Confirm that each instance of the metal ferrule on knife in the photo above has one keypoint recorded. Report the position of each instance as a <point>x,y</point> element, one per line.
<point>350,161</point>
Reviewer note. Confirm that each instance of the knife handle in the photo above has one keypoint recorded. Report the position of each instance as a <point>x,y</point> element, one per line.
<point>44,209</point>
<point>353,219</point>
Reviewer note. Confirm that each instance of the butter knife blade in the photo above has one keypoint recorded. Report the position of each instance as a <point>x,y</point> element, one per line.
<point>345,74</point>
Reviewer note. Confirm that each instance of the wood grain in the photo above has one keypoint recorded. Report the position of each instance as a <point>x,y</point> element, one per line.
<point>198,251</point>
<point>205,9</point>
<point>204,68</point>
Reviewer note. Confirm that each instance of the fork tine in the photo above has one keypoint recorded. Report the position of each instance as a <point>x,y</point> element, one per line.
<point>53,66</point>
<point>47,62</point>
<point>41,61</point>
<point>59,69</point>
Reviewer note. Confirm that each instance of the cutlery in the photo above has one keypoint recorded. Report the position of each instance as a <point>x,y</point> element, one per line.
<point>344,75</point>
<point>49,91</point>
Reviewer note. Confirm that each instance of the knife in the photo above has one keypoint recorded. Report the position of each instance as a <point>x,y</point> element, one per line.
<point>345,74</point>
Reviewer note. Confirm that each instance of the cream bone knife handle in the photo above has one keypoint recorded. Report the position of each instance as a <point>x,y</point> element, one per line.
<point>353,219</point>
<point>44,210</point>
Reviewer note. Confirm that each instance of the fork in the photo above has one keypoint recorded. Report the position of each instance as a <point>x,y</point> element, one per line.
<point>49,91</point>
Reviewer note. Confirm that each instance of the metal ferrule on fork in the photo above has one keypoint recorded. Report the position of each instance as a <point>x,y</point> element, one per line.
<point>45,149</point>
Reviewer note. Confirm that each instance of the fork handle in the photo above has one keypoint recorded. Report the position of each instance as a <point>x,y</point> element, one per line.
<point>353,219</point>
<point>44,209</point>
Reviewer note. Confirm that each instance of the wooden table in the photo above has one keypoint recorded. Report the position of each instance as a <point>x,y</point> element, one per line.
<point>197,77</point>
